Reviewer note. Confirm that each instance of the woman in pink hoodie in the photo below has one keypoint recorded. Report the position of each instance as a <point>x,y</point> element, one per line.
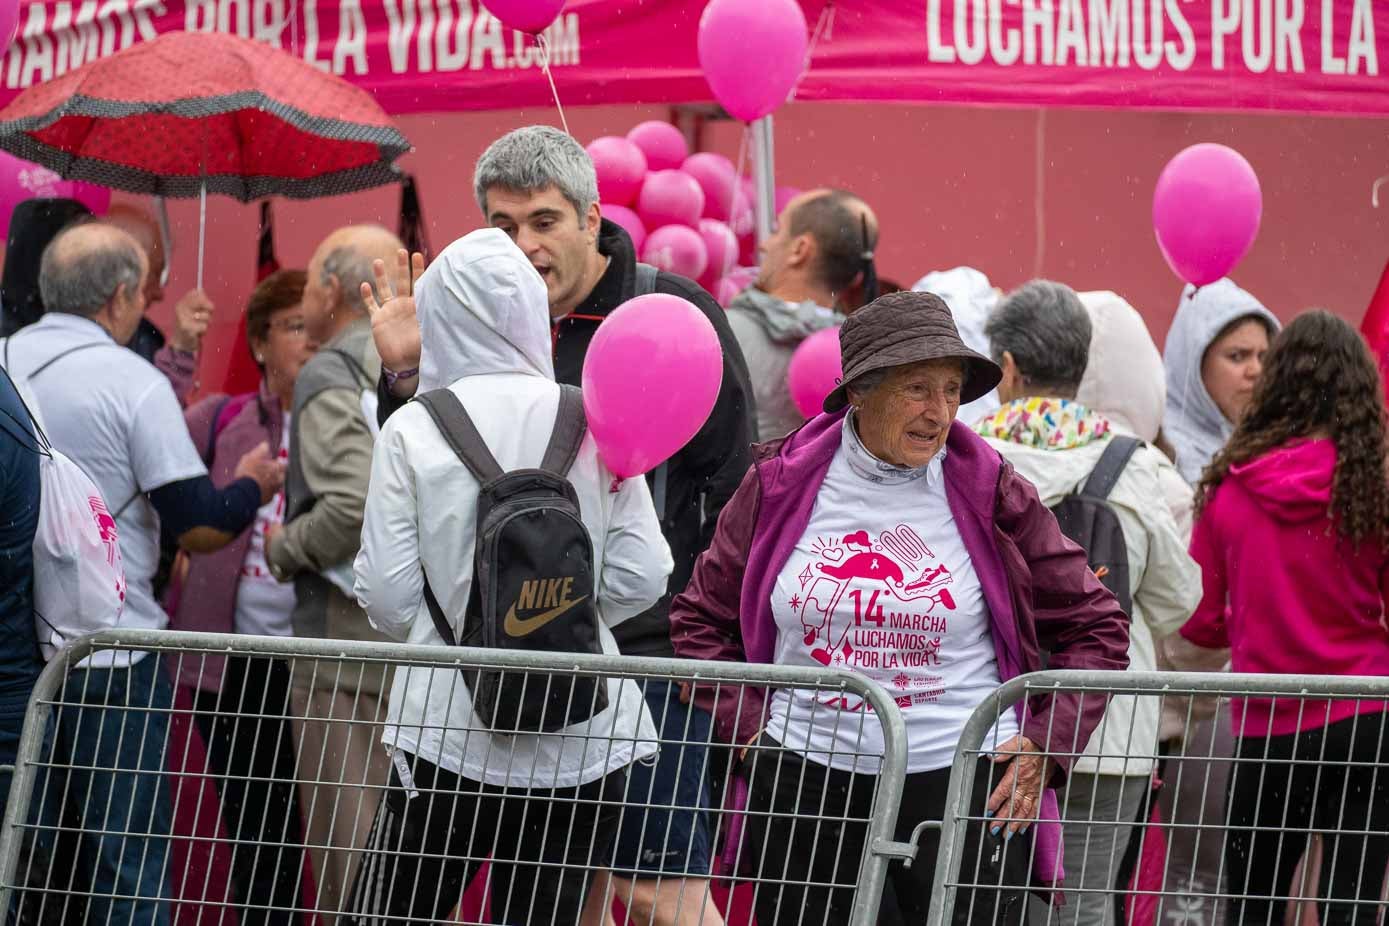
<point>1291,534</point>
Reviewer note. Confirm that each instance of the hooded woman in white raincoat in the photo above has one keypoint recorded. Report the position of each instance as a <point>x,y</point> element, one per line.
<point>1214,353</point>
<point>484,324</point>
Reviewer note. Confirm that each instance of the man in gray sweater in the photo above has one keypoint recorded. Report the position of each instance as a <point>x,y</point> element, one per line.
<point>823,242</point>
<point>342,766</point>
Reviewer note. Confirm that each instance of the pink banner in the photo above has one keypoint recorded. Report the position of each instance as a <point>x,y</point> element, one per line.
<point>1318,56</point>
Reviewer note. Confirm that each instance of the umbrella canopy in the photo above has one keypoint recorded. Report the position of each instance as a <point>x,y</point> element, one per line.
<point>194,112</point>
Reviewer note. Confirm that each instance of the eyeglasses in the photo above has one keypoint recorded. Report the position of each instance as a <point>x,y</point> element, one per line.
<point>294,327</point>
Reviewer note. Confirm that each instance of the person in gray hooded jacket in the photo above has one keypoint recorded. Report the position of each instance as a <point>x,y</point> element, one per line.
<point>1213,357</point>
<point>818,251</point>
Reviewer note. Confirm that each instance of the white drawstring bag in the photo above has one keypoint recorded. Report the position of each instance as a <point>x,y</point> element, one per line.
<point>79,578</point>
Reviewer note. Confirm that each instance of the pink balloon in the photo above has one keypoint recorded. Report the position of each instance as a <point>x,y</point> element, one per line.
<point>721,245</point>
<point>629,220</point>
<point>651,377</point>
<point>717,177</point>
<point>743,277</point>
<point>784,195</point>
<point>814,371</point>
<point>621,168</point>
<point>677,249</point>
<point>752,53</point>
<point>21,180</point>
<point>525,15</point>
<point>670,197</point>
<point>662,143</point>
<point>744,221</point>
<point>725,291</point>
<point>1206,212</point>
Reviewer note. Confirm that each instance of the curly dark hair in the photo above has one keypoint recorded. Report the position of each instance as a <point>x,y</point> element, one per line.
<point>1319,379</point>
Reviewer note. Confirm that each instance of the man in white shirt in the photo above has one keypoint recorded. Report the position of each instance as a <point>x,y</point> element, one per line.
<point>117,417</point>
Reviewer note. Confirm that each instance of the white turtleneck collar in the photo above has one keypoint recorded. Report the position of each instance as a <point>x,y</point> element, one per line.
<point>865,465</point>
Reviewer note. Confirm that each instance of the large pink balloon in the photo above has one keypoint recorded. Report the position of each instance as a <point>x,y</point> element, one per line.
<point>814,371</point>
<point>621,168</point>
<point>662,143</point>
<point>1206,212</point>
<point>722,247</point>
<point>651,376</point>
<point>677,249</point>
<point>629,220</point>
<point>718,178</point>
<point>670,197</point>
<point>21,180</point>
<point>525,15</point>
<point>752,53</point>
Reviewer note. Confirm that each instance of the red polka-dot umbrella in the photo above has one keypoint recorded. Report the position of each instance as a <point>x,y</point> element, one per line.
<point>191,113</point>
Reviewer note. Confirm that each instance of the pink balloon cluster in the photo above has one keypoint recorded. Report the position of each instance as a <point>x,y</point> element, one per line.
<point>21,180</point>
<point>686,213</point>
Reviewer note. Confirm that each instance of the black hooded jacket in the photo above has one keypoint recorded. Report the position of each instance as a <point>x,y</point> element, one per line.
<point>703,475</point>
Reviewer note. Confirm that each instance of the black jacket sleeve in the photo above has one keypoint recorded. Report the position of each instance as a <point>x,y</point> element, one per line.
<point>387,404</point>
<point>714,461</point>
<point>196,502</point>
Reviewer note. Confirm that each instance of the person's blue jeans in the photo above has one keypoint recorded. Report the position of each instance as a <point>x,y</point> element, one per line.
<point>109,775</point>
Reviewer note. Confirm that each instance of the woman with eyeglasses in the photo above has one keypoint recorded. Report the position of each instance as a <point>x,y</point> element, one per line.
<point>242,702</point>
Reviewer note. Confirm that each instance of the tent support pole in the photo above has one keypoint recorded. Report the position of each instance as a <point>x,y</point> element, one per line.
<point>764,177</point>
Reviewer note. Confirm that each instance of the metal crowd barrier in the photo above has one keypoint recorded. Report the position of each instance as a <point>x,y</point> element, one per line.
<point>255,789</point>
<point>1272,809</point>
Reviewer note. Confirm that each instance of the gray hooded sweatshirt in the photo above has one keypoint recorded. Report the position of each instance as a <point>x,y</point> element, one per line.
<point>769,330</point>
<point>1194,423</point>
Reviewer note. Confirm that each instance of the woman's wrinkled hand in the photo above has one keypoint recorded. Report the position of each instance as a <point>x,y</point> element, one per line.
<point>1016,800</point>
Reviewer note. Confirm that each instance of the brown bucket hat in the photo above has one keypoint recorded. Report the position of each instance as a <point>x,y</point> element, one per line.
<point>902,328</point>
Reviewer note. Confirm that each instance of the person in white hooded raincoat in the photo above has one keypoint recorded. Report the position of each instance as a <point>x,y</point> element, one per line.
<point>1214,354</point>
<point>484,323</point>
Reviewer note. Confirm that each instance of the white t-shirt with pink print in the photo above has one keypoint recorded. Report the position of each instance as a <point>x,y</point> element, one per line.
<point>263,605</point>
<point>881,584</point>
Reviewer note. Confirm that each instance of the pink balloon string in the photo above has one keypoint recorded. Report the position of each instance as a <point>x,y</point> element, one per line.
<point>824,28</point>
<point>544,44</point>
<point>738,176</point>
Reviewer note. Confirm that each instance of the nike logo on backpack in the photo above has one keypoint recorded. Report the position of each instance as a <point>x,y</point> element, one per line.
<point>534,593</point>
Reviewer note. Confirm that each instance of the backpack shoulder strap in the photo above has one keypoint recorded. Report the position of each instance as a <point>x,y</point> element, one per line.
<point>568,435</point>
<point>462,435</point>
<point>1111,466</point>
<point>646,279</point>
<point>71,350</point>
<point>356,368</point>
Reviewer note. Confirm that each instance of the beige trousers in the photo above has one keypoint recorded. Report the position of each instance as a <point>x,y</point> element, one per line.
<point>343,771</point>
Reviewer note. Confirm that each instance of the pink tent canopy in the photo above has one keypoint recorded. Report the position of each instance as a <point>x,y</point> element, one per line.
<point>450,55</point>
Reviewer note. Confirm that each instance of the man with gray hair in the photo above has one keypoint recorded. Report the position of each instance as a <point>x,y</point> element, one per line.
<point>1040,336</point>
<point>332,434</point>
<point>538,185</point>
<point>116,416</point>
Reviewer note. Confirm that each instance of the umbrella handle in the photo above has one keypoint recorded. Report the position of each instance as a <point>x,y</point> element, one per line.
<point>166,237</point>
<point>202,228</point>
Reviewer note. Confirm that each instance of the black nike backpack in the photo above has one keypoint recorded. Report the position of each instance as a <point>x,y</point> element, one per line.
<point>1086,518</point>
<point>533,582</point>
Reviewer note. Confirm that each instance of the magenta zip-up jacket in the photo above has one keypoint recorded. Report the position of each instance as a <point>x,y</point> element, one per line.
<point>1037,584</point>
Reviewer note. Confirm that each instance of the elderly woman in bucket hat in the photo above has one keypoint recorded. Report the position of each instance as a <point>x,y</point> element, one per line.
<point>884,538</point>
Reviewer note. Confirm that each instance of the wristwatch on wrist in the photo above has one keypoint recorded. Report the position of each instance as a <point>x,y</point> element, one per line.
<point>393,377</point>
